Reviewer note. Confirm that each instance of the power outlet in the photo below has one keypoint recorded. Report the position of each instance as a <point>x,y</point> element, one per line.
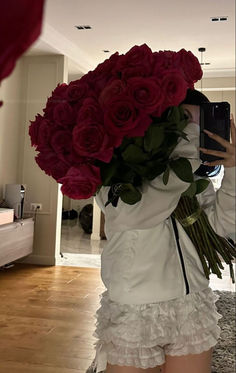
<point>36,206</point>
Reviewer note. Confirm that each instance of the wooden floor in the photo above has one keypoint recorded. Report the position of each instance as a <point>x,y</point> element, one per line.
<point>47,318</point>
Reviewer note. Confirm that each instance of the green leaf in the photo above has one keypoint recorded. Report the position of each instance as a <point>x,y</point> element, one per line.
<point>134,154</point>
<point>138,141</point>
<point>130,194</point>
<point>153,138</point>
<point>154,169</point>
<point>182,124</point>
<point>139,169</point>
<point>108,170</point>
<point>181,112</point>
<point>201,185</point>
<point>126,142</point>
<point>171,140</point>
<point>191,191</point>
<point>183,169</point>
<point>174,114</point>
<point>156,151</point>
<point>166,175</point>
<point>127,175</point>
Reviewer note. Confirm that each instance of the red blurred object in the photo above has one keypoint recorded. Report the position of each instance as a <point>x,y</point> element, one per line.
<point>20,26</point>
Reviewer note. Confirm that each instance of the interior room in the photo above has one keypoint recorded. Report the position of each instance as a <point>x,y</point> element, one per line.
<point>51,244</point>
<point>77,248</point>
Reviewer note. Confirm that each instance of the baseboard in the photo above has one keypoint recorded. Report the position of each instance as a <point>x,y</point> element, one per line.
<point>95,237</point>
<point>39,259</point>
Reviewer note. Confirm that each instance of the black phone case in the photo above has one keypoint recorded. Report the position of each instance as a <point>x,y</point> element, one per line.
<point>214,117</point>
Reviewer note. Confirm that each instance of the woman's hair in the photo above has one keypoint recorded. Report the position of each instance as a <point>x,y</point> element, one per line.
<point>195,97</point>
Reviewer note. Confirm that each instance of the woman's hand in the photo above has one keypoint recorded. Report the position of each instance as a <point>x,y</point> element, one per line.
<point>229,156</point>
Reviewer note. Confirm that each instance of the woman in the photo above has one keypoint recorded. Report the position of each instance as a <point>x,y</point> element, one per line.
<point>158,313</point>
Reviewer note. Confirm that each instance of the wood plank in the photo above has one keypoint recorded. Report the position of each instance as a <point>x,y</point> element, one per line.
<point>47,318</point>
<point>14,367</point>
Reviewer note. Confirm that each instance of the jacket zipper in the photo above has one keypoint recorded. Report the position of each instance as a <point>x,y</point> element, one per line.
<point>180,253</point>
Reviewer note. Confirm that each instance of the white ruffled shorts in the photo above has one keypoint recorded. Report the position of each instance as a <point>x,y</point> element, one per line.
<point>141,335</point>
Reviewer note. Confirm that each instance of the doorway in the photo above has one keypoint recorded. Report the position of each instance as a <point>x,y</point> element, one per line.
<point>82,241</point>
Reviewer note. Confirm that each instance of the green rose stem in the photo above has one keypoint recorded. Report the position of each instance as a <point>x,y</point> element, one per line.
<point>193,233</point>
<point>207,243</point>
<point>183,210</point>
<point>211,254</point>
<point>201,223</point>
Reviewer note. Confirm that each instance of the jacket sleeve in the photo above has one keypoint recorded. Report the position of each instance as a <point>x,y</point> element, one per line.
<point>158,200</point>
<point>221,209</point>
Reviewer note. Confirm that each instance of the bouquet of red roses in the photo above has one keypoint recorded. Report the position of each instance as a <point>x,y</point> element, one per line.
<point>86,120</point>
<point>117,126</point>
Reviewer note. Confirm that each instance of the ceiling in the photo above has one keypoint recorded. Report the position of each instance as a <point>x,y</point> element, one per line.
<point>118,25</point>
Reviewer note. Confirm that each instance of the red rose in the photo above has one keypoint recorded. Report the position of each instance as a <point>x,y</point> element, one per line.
<point>81,182</point>
<point>146,93</point>
<point>190,66</point>
<point>61,143</point>
<point>77,91</point>
<point>163,61</point>
<point>110,91</point>
<point>20,27</point>
<point>174,88</point>
<point>123,118</point>
<point>140,56</point>
<point>90,110</point>
<point>39,131</point>
<point>60,91</point>
<point>91,140</point>
<point>64,115</point>
<point>135,71</point>
<point>98,78</point>
<point>86,78</point>
<point>58,96</point>
<point>49,162</point>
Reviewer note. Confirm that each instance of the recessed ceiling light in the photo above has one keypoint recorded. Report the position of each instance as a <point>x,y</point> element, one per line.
<point>219,19</point>
<point>86,27</point>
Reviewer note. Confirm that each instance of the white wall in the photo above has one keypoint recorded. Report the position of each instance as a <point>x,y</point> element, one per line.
<point>40,76</point>
<point>10,127</point>
<point>74,76</point>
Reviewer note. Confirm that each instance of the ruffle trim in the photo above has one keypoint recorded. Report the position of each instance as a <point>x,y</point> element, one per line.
<point>134,335</point>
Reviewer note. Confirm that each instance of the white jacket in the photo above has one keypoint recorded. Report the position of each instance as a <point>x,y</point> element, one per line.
<point>141,261</point>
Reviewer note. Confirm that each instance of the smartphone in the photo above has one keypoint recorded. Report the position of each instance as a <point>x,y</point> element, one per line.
<point>214,117</point>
